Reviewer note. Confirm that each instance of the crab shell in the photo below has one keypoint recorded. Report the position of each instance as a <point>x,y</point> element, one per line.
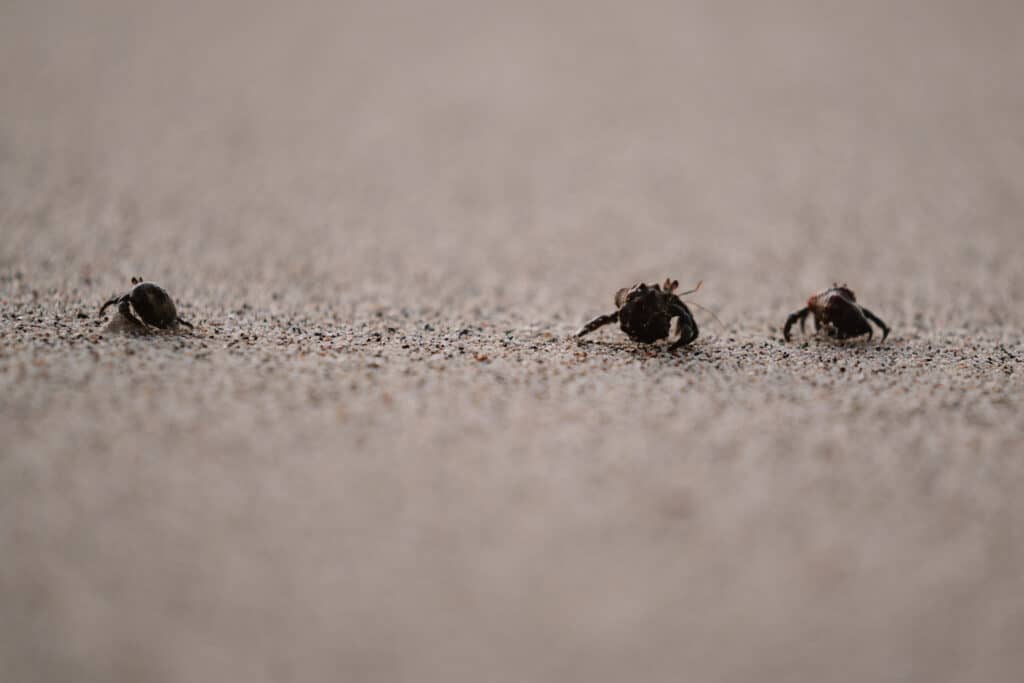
<point>821,300</point>
<point>646,312</point>
<point>837,309</point>
<point>153,305</point>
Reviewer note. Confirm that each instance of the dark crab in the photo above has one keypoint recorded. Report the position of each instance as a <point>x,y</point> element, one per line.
<point>648,313</point>
<point>837,312</point>
<point>151,302</point>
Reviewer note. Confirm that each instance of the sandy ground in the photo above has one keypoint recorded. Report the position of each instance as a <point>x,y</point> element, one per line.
<point>380,457</point>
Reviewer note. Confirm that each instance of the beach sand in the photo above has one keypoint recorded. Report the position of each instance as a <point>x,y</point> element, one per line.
<point>381,456</point>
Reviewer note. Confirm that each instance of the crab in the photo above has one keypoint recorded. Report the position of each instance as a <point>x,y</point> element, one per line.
<point>649,313</point>
<point>151,302</point>
<point>837,311</point>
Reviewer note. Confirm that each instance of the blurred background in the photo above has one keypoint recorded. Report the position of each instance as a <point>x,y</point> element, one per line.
<point>782,142</point>
<point>286,496</point>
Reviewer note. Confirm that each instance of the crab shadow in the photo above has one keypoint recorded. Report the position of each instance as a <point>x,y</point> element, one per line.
<point>859,345</point>
<point>714,350</point>
<point>639,351</point>
<point>121,326</point>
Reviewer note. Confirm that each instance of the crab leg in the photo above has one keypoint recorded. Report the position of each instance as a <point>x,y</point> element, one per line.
<point>878,321</point>
<point>800,315</point>
<point>125,309</point>
<point>110,302</point>
<point>599,321</point>
<point>687,332</point>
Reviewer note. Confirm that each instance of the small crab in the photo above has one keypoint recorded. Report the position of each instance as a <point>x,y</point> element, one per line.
<point>837,311</point>
<point>151,302</point>
<point>648,313</point>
